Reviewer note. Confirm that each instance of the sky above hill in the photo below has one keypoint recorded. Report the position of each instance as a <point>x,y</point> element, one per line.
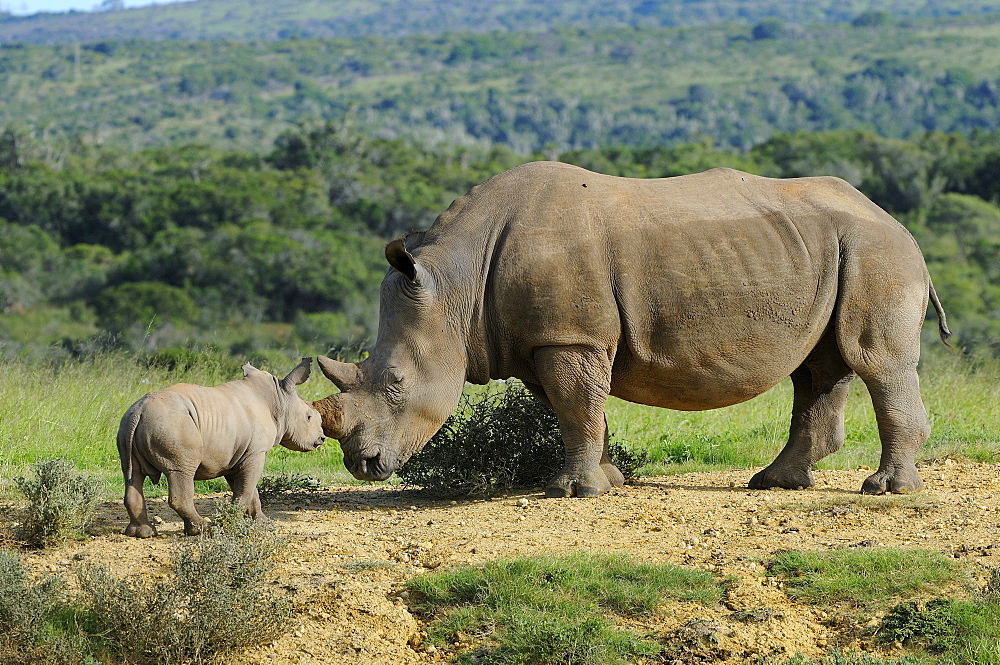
<point>23,7</point>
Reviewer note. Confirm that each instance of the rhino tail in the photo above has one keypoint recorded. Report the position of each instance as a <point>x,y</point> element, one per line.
<point>126,436</point>
<point>942,319</point>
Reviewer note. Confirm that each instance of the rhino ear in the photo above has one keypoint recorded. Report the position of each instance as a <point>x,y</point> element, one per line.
<point>346,376</point>
<point>400,259</point>
<point>249,369</point>
<point>413,239</point>
<point>298,375</point>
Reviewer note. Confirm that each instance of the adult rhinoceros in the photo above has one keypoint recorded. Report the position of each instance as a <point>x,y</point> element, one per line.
<point>693,292</point>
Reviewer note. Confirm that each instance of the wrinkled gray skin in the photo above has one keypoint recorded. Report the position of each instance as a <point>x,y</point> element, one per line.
<point>689,293</point>
<point>189,433</point>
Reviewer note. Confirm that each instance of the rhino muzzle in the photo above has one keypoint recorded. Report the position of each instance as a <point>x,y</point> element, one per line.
<point>369,466</point>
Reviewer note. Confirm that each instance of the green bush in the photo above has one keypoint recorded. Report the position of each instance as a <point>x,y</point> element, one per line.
<point>218,598</point>
<point>30,613</point>
<point>121,307</point>
<point>278,483</point>
<point>499,438</point>
<point>963,632</point>
<point>60,503</point>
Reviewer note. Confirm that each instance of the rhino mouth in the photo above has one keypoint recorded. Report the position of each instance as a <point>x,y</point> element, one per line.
<point>369,466</point>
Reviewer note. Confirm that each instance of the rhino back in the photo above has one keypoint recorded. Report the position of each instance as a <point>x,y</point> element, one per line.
<point>705,289</point>
<point>211,428</point>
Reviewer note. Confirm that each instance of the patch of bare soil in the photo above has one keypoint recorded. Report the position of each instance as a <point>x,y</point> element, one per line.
<point>353,548</point>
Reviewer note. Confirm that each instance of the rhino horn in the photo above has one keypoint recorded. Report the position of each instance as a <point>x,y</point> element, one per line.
<point>331,411</point>
<point>346,376</point>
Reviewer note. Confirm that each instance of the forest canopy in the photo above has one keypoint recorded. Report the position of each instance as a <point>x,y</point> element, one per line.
<point>171,247</point>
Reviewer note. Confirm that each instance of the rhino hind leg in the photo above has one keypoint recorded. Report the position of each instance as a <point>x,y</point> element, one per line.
<point>821,385</point>
<point>881,342</point>
<point>135,505</point>
<point>181,498</point>
<point>575,381</point>
<point>903,427</point>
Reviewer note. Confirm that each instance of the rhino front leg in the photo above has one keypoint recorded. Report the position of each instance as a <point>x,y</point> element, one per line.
<point>576,382</point>
<point>135,505</point>
<point>615,476</point>
<point>181,499</point>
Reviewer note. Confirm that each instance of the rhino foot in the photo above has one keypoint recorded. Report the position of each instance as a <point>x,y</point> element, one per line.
<point>893,481</point>
<point>594,483</point>
<point>791,479</point>
<point>195,528</point>
<point>615,477</point>
<point>140,531</point>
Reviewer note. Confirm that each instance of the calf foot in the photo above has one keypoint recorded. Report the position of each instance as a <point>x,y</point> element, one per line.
<point>784,477</point>
<point>140,530</point>
<point>894,481</point>
<point>588,484</point>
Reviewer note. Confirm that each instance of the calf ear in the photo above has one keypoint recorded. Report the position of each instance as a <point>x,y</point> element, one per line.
<point>249,369</point>
<point>298,375</point>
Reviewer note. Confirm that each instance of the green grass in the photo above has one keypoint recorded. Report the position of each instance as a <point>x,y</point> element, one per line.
<point>960,397</point>
<point>863,578</point>
<point>71,411</point>
<point>550,609</point>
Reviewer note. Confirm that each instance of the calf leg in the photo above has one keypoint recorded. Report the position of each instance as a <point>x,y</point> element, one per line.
<point>821,385</point>
<point>135,505</point>
<point>244,486</point>
<point>181,499</point>
<point>576,382</point>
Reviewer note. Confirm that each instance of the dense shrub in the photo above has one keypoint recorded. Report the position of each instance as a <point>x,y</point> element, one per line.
<point>499,438</point>
<point>60,503</point>
<point>218,598</point>
<point>29,617</point>
<point>967,631</point>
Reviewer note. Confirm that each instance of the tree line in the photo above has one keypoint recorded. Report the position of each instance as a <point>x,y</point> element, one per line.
<point>177,247</point>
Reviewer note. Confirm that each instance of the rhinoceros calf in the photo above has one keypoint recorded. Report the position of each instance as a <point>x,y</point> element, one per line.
<point>689,293</point>
<point>189,433</point>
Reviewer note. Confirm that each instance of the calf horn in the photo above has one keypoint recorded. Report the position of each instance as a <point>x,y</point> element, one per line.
<point>346,376</point>
<point>331,411</point>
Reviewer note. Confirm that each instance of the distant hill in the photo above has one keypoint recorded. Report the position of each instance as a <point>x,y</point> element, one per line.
<point>556,90</point>
<point>241,20</point>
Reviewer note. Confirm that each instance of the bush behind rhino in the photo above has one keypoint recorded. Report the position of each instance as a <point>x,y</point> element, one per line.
<point>218,598</point>
<point>61,503</point>
<point>499,438</point>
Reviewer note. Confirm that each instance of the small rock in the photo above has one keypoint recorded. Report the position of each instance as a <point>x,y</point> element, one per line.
<point>157,519</point>
<point>522,502</point>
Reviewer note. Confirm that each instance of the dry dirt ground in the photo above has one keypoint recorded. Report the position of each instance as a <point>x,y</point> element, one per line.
<point>352,549</point>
